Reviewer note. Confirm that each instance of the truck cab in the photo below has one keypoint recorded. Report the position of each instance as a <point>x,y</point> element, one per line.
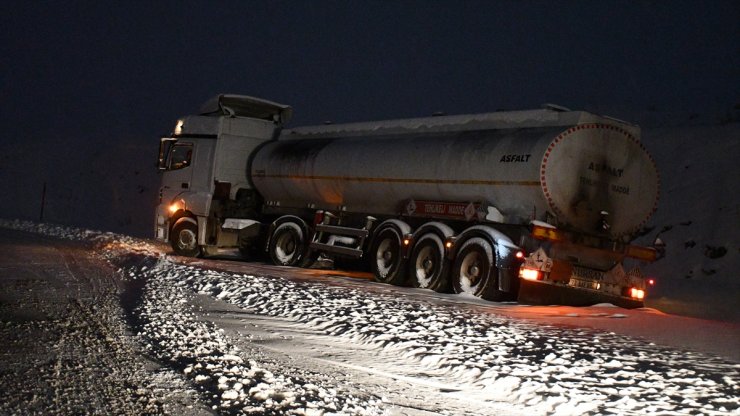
<point>205,188</point>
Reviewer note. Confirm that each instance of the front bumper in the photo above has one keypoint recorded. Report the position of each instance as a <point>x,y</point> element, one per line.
<point>161,223</point>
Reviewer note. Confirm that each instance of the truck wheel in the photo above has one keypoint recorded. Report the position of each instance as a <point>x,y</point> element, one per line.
<point>184,239</point>
<point>288,245</point>
<point>386,261</point>
<point>429,267</point>
<point>474,271</point>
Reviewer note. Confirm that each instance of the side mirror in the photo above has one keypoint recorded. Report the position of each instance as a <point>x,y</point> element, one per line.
<point>165,144</point>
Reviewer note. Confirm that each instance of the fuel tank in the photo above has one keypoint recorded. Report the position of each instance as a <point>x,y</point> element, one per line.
<point>582,169</point>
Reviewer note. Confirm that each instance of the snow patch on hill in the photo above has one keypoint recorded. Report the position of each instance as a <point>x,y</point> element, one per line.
<point>698,219</point>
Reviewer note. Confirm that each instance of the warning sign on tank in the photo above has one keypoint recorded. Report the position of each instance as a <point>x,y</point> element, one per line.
<point>439,209</point>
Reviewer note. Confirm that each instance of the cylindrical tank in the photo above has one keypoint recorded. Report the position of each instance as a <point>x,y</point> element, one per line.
<point>576,172</point>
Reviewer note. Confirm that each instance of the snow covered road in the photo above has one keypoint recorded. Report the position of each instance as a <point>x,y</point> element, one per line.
<point>272,343</point>
<point>66,348</point>
<point>481,357</point>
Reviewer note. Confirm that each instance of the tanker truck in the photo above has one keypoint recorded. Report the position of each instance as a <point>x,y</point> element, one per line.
<point>538,206</point>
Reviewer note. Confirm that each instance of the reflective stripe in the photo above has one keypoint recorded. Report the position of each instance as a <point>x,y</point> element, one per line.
<point>403,180</point>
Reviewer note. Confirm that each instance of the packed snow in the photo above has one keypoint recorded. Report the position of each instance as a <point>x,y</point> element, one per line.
<point>532,368</point>
<point>237,385</point>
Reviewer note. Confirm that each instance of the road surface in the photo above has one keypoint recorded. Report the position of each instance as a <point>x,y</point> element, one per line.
<point>112,325</point>
<point>66,346</point>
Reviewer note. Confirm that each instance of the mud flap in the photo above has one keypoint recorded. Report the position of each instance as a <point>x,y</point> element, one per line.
<point>506,279</point>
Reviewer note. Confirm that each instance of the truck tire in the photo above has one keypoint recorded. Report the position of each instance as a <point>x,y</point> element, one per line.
<point>474,270</point>
<point>288,246</point>
<point>184,239</point>
<point>428,266</point>
<point>386,260</point>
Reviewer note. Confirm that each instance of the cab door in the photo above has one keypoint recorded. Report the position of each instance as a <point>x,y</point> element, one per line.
<point>178,170</point>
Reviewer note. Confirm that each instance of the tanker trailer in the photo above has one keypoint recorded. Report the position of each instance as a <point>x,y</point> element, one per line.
<point>536,205</point>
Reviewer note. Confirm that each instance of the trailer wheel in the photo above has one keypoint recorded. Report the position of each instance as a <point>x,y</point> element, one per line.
<point>474,270</point>
<point>184,239</point>
<point>288,245</point>
<point>386,260</point>
<point>429,267</point>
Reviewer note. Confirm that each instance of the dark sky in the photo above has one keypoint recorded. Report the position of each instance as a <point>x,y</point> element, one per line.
<point>87,87</point>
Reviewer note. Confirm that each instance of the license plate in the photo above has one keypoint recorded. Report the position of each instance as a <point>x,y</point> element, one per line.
<point>588,274</point>
<point>586,284</point>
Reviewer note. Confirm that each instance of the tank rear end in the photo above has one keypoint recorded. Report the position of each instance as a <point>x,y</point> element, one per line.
<point>598,178</point>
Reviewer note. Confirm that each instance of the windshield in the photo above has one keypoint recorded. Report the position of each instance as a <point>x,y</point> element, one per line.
<point>180,156</point>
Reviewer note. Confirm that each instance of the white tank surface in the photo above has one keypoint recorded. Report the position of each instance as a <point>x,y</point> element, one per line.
<point>578,167</point>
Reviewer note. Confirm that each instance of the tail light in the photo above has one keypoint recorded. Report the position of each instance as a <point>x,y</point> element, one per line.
<point>637,293</point>
<point>530,274</point>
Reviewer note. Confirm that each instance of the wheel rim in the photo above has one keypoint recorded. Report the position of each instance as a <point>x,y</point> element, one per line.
<point>384,257</point>
<point>186,239</point>
<point>285,248</point>
<point>426,265</point>
<point>471,271</point>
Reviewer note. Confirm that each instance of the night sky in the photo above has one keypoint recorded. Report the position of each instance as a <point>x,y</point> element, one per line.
<point>88,87</point>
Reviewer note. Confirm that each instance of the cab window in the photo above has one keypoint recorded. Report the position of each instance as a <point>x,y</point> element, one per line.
<point>180,156</point>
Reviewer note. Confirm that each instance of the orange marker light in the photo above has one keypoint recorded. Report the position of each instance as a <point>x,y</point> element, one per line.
<point>173,208</point>
<point>547,233</point>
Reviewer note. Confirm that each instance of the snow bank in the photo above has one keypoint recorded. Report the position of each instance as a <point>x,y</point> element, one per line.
<point>171,333</point>
<point>540,369</point>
